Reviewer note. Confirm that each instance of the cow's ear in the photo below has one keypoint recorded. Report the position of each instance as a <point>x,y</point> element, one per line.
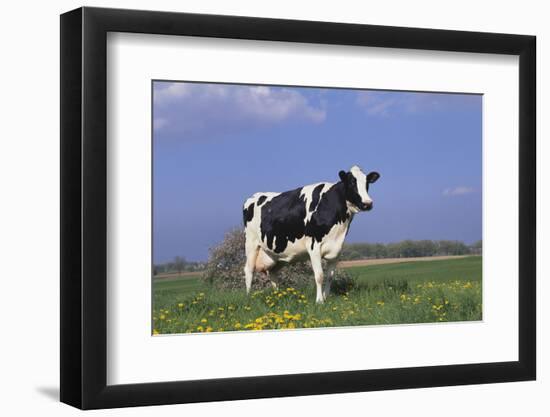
<point>372,177</point>
<point>342,175</point>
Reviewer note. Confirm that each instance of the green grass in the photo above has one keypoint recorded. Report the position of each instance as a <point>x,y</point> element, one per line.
<point>412,292</point>
<point>180,285</point>
<point>468,268</point>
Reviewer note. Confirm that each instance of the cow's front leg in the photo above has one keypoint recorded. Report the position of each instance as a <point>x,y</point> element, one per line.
<point>317,266</point>
<point>331,271</point>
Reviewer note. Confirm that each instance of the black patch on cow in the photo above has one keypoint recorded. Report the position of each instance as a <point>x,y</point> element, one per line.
<point>283,216</point>
<point>315,195</point>
<point>248,214</point>
<point>261,200</point>
<point>350,188</point>
<point>283,220</point>
<point>332,209</point>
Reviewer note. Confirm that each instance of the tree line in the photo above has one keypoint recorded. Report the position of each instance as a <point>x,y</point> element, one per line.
<point>409,249</point>
<point>354,251</point>
<point>178,265</point>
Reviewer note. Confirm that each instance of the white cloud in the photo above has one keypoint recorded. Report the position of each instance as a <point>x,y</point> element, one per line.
<point>159,123</point>
<point>193,107</point>
<point>460,190</point>
<point>385,103</point>
<point>375,103</point>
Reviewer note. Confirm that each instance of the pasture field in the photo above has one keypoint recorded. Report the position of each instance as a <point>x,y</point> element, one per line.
<point>406,292</point>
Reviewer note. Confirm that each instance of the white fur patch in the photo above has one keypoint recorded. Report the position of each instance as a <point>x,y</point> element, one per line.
<point>361,184</point>
<point>307,193</point>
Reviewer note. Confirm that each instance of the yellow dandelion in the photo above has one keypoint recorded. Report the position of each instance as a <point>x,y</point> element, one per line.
<point>237,325</point>
<point>180,305</point>
<point>162,317</point>
<point>204,320</point>
<point>155,331</point>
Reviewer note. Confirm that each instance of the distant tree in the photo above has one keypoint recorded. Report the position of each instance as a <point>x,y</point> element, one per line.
<point>393,250</point>
<point>407,249</point>
<point>379,250</point>
<point>179,264</point>
<point>476,247</point>
<point>426,248</point>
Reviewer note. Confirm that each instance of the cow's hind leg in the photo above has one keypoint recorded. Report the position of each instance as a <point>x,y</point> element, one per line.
<point>317,266</point>
<point>251,249</point>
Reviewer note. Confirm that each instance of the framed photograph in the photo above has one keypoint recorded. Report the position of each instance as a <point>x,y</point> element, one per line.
<point>257,208</point>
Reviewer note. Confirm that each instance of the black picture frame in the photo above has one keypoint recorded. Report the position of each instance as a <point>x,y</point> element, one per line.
<point>84,207</point>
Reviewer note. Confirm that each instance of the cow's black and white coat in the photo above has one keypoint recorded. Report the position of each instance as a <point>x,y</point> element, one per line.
<point>309,221</point>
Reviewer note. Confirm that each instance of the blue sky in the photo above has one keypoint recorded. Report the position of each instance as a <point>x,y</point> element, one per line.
<point>214,145</point>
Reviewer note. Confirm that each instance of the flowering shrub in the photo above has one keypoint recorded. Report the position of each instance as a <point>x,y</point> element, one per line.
<point>224,269</point>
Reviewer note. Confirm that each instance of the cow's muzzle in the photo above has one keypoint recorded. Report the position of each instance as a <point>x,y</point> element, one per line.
<point>367,206</point>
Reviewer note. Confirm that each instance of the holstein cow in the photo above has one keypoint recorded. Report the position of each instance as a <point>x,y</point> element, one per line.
<point>309,221</point>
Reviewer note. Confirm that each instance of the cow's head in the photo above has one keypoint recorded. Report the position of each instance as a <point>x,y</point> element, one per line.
<point>356,185</point>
